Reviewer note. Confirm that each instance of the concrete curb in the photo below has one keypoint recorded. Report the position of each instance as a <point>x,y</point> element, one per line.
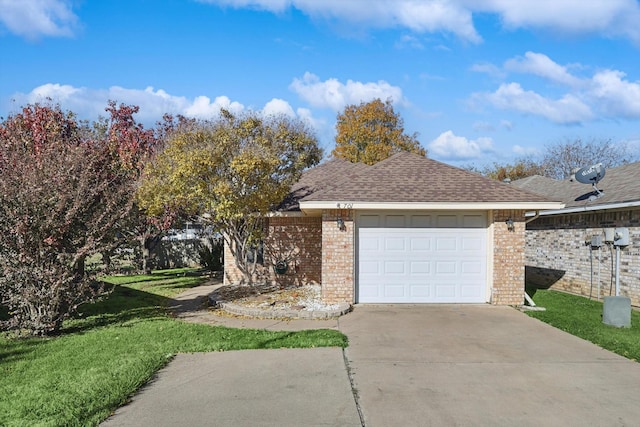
<point>289,313</point>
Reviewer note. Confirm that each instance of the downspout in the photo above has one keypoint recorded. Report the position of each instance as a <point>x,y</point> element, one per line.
<point>527,298</point>
<point>527,221</point>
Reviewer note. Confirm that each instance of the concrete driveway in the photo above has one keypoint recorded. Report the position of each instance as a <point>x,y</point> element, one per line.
<point>406,365</point>
<point>480,365</point>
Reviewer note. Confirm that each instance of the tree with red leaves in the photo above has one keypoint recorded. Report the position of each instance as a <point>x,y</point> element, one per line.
<point>66,193</point>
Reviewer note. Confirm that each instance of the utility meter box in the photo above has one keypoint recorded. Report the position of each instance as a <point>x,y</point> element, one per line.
<point>609,234</point>
<point>621,237</point>
<point>596,241</point>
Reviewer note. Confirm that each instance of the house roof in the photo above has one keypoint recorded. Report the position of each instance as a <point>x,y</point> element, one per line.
<point>620,185</point>
<point>318,178</point>
<point>409,180</point>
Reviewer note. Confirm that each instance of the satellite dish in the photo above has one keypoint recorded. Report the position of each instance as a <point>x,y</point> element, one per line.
<point>591,175</point>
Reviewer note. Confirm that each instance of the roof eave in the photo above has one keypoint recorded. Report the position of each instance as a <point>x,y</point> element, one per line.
<point>602,207</point>
<point>452,206</point>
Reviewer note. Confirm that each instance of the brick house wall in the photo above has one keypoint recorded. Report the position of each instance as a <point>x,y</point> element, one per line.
<point>317,251</point>
<point>559,257</point>
<point>338,253</point>
<point>508,258</point>
<point>296,240</point>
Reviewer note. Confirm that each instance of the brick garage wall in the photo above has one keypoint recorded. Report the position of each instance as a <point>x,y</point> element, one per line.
<point>557,255</point>
<point>337,256</point>
<point>508,258</point>
<point>296,240</point>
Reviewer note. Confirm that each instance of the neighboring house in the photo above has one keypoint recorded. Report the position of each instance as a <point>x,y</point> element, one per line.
<point>405,230</point>
<point>559,250</point>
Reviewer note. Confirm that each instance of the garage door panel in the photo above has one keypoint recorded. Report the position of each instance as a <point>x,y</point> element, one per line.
<point>420,291</point>
<point>417,268</point>
<point>394,290</point>
<point>420,244</point>
<point>422,265</point>
<point>394,243</point>
<point>472,244</point>
<point>471,268</point>
<point>394,268</point>
<point>446,244</point>
<point>420,221</point>
<point>369,268</point>
<point>393,221</point>
<point>445,290</point>
<point>445,268</point>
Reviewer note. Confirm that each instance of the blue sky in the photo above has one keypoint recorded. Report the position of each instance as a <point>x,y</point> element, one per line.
<point>478,80</point>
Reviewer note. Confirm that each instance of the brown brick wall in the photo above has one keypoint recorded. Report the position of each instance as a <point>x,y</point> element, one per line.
<point>508,258</point>
<point>558,256</point>
<point>337,256</point>
<point>296,240</point>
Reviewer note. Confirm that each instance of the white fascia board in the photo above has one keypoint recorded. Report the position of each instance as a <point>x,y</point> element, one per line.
<point>450,206</point>
<point>292,214</point>
<point>588,208</point>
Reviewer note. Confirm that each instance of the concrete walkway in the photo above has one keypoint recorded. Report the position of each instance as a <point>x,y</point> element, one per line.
<point>410,365</point>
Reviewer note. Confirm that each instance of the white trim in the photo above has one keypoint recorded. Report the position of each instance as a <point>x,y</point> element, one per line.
<point>588,208</point>
<point>450,206</point>
<point>292,214</point>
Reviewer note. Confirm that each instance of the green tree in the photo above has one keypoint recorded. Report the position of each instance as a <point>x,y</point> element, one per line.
<point>371,132</point>
<point>231,172</point>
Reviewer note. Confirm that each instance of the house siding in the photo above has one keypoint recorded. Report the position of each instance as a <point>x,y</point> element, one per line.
<point>559,254</point>
<point>338,252</point>
<point>296,240</point>
<point>508,258</point>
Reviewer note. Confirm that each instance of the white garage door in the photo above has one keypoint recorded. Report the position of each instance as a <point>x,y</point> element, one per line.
<point>422,258</point>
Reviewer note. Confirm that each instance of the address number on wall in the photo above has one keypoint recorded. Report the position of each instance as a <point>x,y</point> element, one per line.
<point>344,205</point>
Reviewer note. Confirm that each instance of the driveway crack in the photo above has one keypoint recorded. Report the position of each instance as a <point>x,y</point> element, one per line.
<point>354,390</point>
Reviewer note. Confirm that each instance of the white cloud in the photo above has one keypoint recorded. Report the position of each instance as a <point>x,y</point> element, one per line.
<point>35,18</point>
<point>452,147</point>
<point>417,16</point>
<point>409,42</point>
<point>90,103</point>
<point>483,127</point>
<point>609,18</point>
<point>605,94</point>
<point>616,96</point>
<point>335,95</point>
<point>488,68</point>
<point>510,96</point>
<point>506,124</point>
<point>278,107</point>
<point>541,65</point>
<point>525,151</point>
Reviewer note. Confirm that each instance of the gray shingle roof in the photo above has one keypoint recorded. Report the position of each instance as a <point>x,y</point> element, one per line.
<point>619,185</point>
<point>406,177</point>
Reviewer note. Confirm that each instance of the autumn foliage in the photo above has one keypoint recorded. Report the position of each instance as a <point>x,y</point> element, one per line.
<point>371,132</point>
<point>66,192</point>
<point>230,171</point>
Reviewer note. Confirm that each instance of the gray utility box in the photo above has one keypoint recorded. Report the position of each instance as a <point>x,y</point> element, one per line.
<point>616,311</point>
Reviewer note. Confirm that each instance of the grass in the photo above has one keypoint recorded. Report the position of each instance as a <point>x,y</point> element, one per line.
<point>582,317</point>
<point>116,346</point>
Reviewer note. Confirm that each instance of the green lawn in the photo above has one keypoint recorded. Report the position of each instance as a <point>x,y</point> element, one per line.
<point>105,355</point>
<point>583,318</point>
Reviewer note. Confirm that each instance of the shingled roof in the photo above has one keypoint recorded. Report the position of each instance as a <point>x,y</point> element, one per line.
<point>409,178</point>
<point>619,185</point>
<point>318,178</point>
